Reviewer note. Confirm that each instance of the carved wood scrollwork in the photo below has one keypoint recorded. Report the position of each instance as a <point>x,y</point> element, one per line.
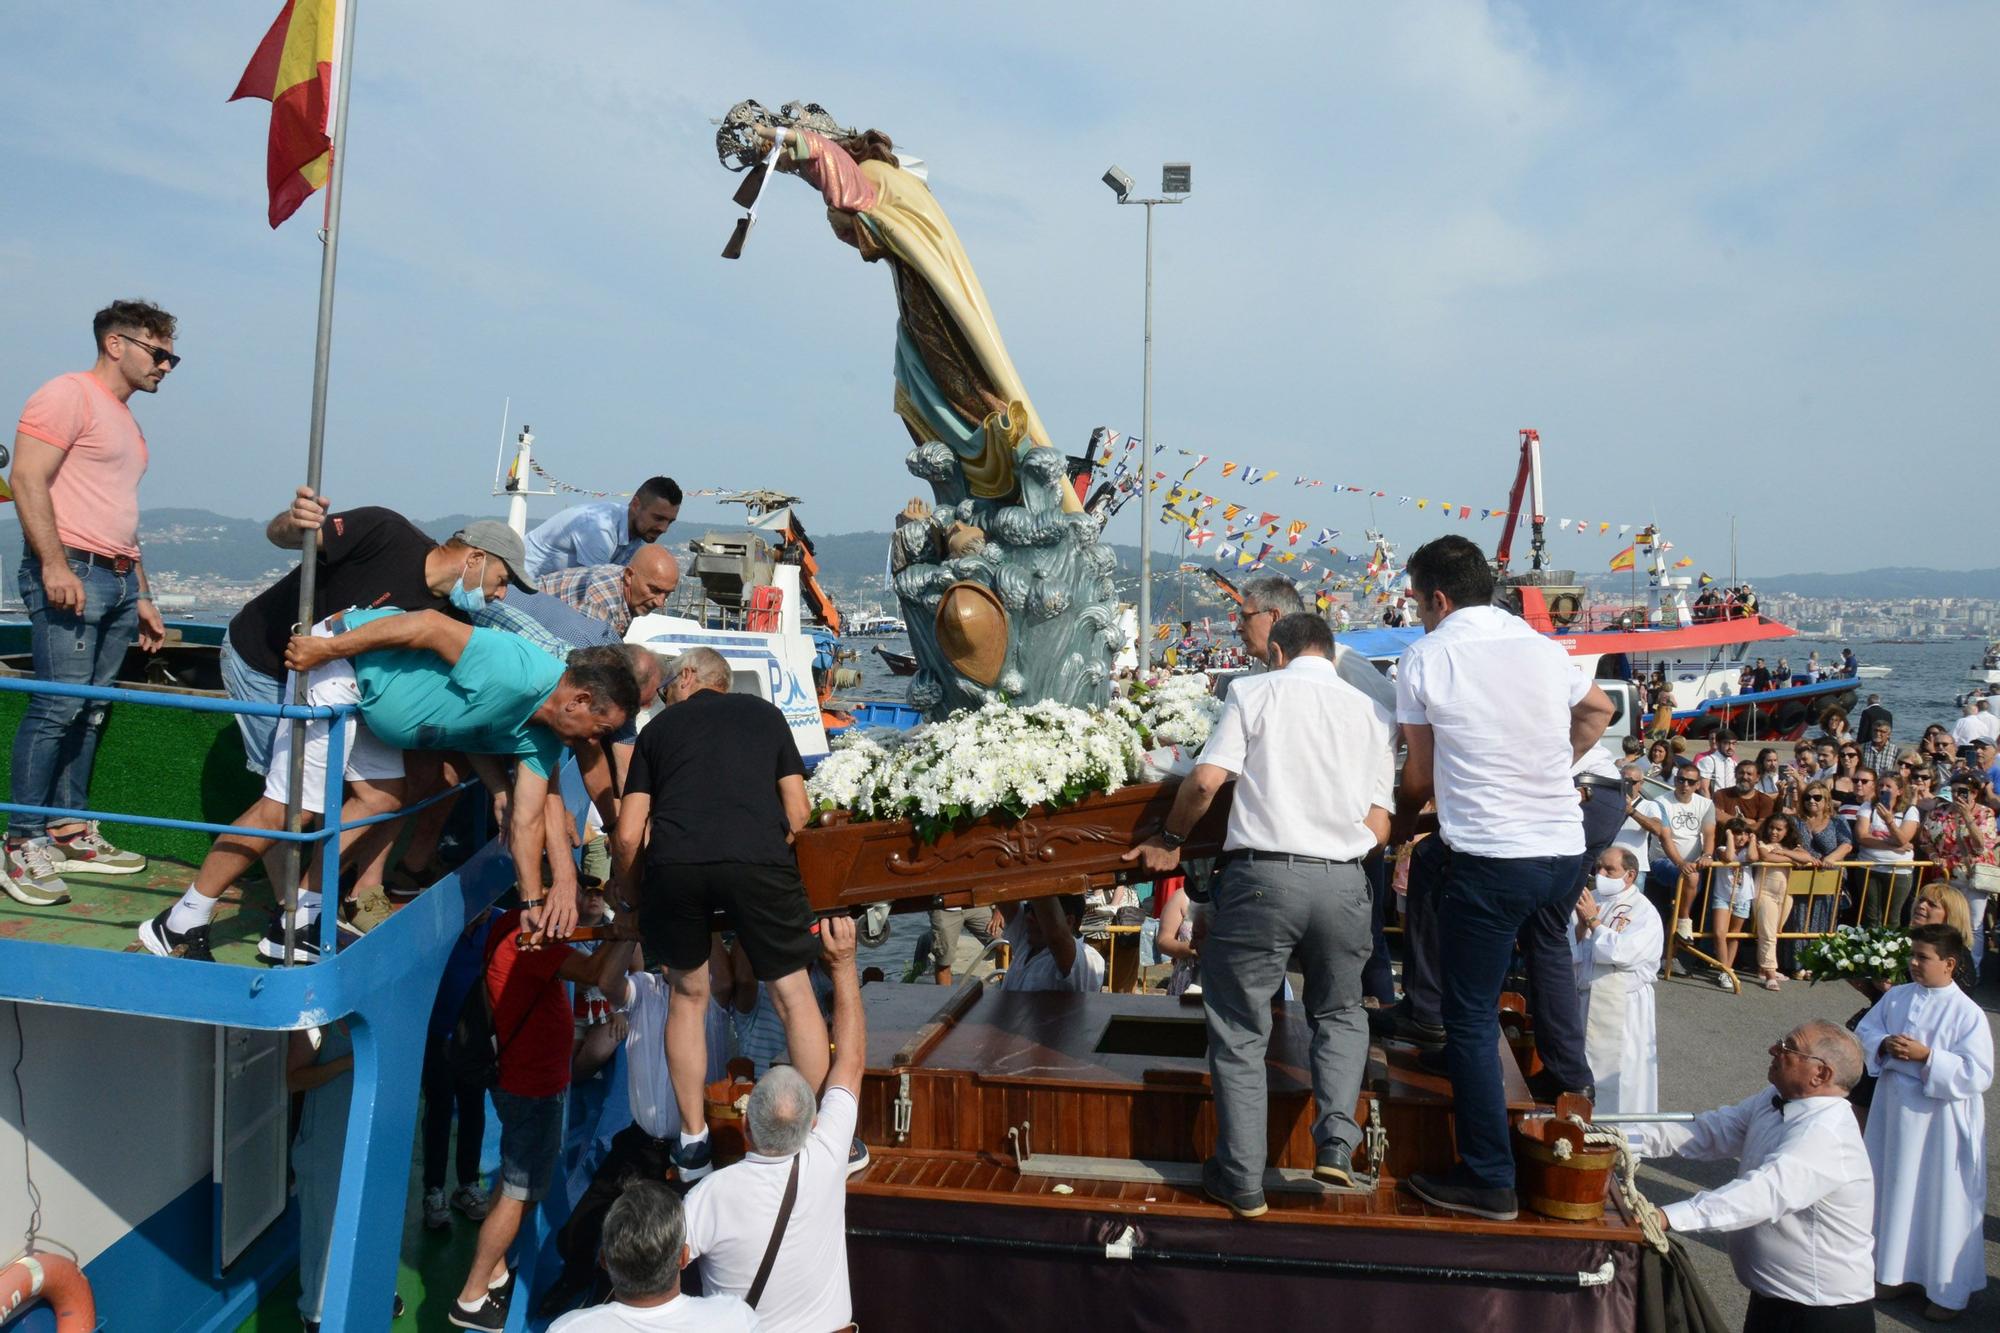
<point>1028,841</point>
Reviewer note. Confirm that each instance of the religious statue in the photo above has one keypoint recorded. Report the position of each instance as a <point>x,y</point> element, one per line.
<point>1006,589</point>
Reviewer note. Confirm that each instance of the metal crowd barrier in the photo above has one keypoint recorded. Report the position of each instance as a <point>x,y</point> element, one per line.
<point>1820,899</point>
<point>326,838</point>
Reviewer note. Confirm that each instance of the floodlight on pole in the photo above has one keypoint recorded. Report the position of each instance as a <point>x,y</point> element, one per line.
<point>1176,180</point>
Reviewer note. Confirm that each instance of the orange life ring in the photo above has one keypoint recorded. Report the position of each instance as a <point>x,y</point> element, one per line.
<point>51,1278</point>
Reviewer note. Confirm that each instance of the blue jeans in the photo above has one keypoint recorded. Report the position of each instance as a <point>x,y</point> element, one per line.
<point>246,684</point>
<point>57,742</point>
<point>1485,903</point>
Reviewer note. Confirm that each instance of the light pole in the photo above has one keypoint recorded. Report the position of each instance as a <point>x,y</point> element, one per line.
<point>1176,182</point>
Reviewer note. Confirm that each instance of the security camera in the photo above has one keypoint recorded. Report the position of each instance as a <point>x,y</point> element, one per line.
<point>1120,183</point>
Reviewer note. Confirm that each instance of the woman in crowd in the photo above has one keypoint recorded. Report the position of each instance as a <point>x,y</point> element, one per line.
<point>1768,771</point>
<point>1966,840</point>
<point>1847,762</point>
<point>1931,1048</point>
<point>1828,840</point>
<point>1660,761</point>
<point>1176,941</point>
<point>1732,893</point>
<point>1776,849</point>
<point>1833,726</point>
<point>1939,904</point>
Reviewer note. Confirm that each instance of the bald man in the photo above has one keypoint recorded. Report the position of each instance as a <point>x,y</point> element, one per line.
<point>616,594</point>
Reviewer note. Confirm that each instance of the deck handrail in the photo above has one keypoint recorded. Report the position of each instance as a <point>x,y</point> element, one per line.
<point>187,703</point>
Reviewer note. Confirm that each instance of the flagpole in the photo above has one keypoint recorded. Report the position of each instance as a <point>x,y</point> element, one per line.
<point>315,452</point>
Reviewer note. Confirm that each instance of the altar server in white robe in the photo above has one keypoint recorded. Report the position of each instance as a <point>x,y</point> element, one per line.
<point>1931,1047</point>
<point>1617,942</point>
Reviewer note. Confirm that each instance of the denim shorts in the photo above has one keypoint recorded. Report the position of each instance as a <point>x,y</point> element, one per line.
<point>531,1134</point>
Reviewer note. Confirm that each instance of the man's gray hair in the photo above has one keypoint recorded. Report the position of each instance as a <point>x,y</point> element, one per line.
<point>708,666</point>
<point>1835,1045</point>
<point>1273,593</point>
<point>1624,854</point>
<point>644,1231</point>
<point>646,669</point>
<point>781,1112</point>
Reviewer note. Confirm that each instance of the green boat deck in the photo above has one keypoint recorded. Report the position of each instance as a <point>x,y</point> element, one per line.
<point>105,911</point>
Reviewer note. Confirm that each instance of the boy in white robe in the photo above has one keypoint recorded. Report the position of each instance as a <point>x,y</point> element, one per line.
<point>1617,943</point>
<point>1929,1044</point>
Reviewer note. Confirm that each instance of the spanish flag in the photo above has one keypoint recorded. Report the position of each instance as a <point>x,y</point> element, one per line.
<point>1623,560</point>
<point>295,71</point>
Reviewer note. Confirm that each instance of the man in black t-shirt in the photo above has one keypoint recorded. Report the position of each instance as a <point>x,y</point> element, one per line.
<point>368,558</point>
<point>715,791</point>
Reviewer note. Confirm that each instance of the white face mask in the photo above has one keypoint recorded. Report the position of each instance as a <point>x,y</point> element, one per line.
<point>1610,886</point>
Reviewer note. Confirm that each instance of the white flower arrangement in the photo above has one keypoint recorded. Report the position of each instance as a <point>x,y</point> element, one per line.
<point>1174,710</point>
<point>1858,953</point>
<point>976,762</point>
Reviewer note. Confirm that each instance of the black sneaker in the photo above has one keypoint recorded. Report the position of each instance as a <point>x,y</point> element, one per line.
<point>692,1161</point>
<point>192,943</point>
<point>1546,1088</point>
<point>857,1156</point>
<point>305,942</point>
<point>1249,1203</point>
<point>1425,1036</point>
<point>1455,1194</point>
<point>491,1314</point>
<point>1333,1166</point>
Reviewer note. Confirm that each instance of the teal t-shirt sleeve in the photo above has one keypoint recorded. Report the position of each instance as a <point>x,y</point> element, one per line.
<point>509,678</point>
<point>356,619</point>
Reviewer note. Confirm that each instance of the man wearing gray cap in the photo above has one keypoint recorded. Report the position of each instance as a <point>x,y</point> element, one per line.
<point>368,557</point>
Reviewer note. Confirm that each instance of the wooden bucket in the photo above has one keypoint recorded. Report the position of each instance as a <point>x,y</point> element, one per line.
<point>1570,1188</point>
<point>726,1101</point>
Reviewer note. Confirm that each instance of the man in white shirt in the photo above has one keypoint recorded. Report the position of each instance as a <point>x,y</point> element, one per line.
<point>1494,716</point>
<point>645,1248</point>
<point>1048,953</point>
<point>733,1214</point>
<point>604,532</point>
<point>1717,764</point>
<point>1968,728</point>
<point>1801,1211</point>
<point>1617,947</point>
<point>1268,600</point>
<point>1986,723</point>
<point>1315,776</point>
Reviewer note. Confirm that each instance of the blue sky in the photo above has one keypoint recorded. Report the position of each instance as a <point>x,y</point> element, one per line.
<point>1726,258</point>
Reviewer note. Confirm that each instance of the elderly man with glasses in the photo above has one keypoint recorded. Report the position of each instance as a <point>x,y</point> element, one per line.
<point>1800,1213</point>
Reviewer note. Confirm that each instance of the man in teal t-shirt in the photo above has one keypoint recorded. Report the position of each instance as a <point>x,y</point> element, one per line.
<point>422,680</point>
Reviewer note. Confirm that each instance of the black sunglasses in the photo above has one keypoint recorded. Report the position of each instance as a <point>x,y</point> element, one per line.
<point>161,356</point>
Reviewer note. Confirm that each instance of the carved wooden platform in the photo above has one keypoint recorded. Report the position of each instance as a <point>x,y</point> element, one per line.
<point>996,859</point>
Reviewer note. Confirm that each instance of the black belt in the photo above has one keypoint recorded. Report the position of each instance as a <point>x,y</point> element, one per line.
<point>1251,854</point>
<point>117,564</point>
<point>1593,780</point>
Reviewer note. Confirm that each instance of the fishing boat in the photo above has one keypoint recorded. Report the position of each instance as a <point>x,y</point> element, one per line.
<point>873,624</point>
<point>902,664</point>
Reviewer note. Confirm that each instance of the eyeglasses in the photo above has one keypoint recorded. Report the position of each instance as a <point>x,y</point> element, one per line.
<point>1685,782</point>
<point>1814,800</point>
<point>1790,1047</point>
<point>161,356</point>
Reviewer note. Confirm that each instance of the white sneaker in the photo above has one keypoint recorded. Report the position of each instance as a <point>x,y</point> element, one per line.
<point>31,877</point>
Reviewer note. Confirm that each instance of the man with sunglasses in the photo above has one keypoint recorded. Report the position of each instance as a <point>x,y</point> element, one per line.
<point>1683,831</point>
<point>1800,1214</point>
<point>78,457</point>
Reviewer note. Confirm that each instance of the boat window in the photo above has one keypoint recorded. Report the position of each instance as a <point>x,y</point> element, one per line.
<point>252,1136</point>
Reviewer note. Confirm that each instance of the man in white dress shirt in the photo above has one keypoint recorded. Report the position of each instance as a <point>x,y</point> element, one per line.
<point>1494,717</point>
<point>1049,953</point>
<point>604,532</point>
<point>1801,1212</point>
<point>1617,944</point>
<point>1315,780</point>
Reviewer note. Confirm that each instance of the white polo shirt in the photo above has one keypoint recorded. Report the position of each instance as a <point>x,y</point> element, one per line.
<point>1311,755</point>
<point>1038,971</point>
<point>730,1215</point>
<point>1497,697</point>
<point>682,1314</point>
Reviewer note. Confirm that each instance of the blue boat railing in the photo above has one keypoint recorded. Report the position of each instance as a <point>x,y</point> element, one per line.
<point>327,837</point>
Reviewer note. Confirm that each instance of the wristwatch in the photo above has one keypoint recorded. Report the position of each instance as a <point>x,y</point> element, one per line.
<point>1172,839</point>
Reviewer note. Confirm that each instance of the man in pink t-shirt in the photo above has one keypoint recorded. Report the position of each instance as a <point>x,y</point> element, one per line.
<point>78,458</point>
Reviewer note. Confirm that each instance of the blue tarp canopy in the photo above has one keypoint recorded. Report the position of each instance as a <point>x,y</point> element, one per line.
<point>1382,645</point>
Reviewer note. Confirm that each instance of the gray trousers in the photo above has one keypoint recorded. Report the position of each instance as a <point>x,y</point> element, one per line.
<point>1262,912</point>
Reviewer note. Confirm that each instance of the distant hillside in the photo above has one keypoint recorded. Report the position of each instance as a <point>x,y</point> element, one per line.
<point>1887,583</point>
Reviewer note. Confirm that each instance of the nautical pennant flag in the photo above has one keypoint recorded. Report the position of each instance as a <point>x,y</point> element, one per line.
<point>1266,519</point>
<point>1159,448</point>
<point>1292,533</point>
<point>1199,536</point>
<point>1244,558</point>
<point>1421,503</point>
<point>1198,461</point>
<point>1464,512</point>
<point>1263,551</point>
<point>1286,557</point>
<point>1624,559</point>
<point>1624,528</point>
<point>1228,470</point>
<point>1704,580</point>
<point>296,70</point>
<point>1326,536</point>
<point>1603,528</point>
<point>1684,562</point>
<point>1402,499</point>
<point>1225,550</point>
<point>1230,511</point>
